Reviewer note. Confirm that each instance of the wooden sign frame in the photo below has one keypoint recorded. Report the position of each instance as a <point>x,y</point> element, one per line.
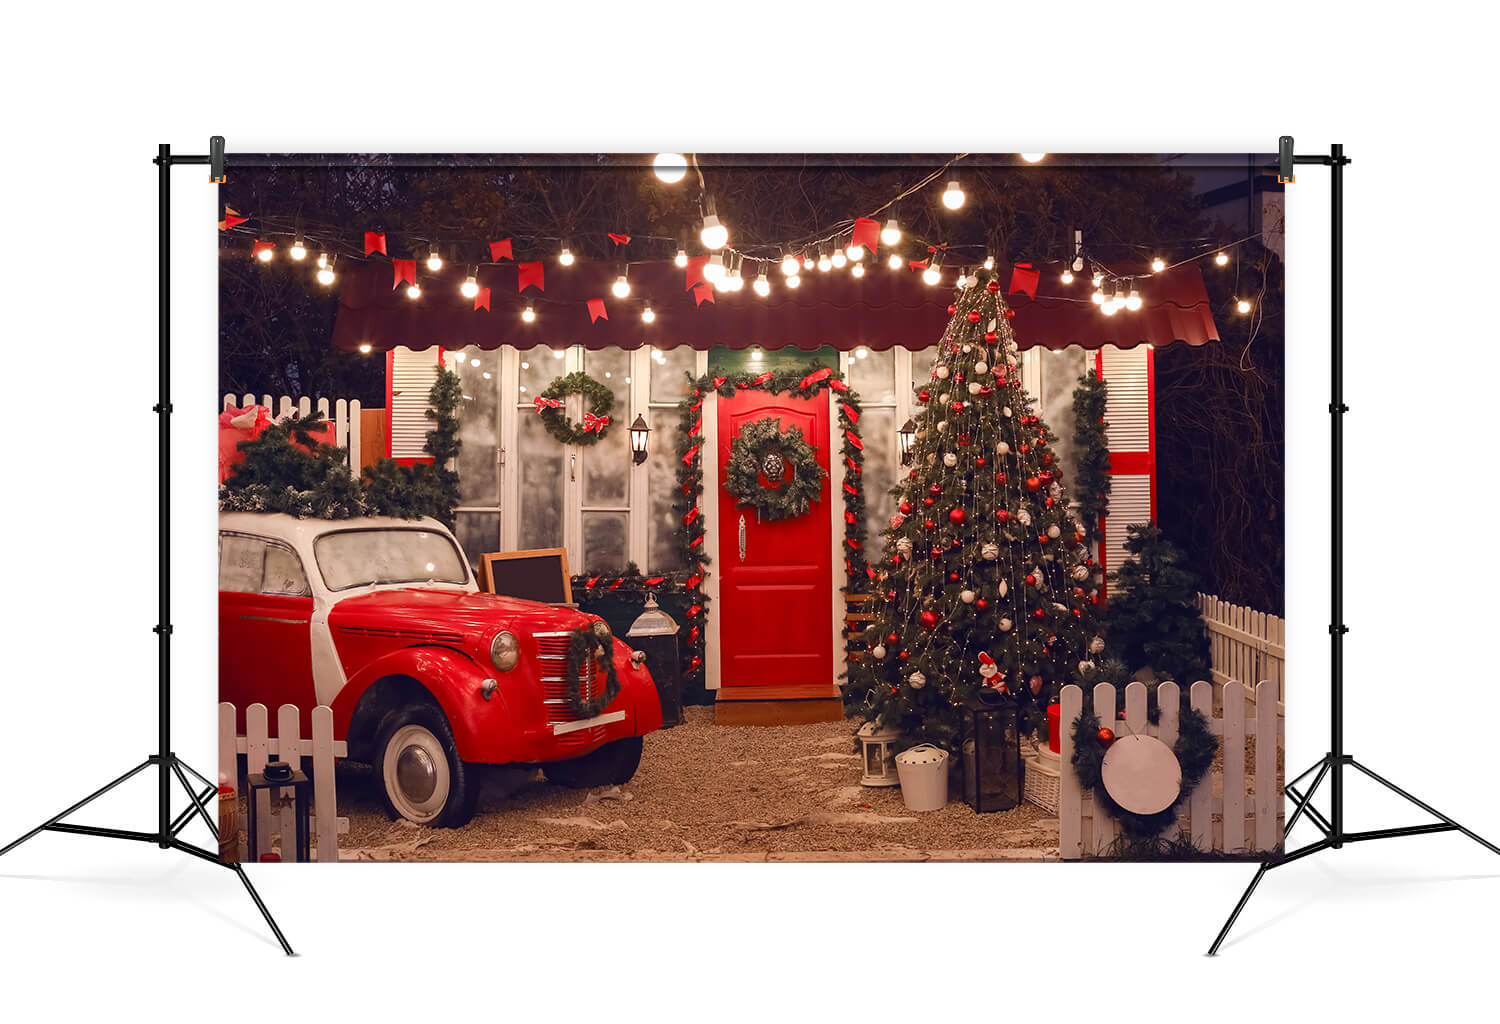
<point>487,572</point>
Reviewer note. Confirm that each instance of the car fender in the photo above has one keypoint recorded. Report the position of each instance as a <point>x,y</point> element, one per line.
<point>482,728</point>
<point>639,689</point>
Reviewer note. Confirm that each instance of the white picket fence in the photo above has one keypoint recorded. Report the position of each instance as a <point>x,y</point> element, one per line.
<point>344,415</point>
<point>1245,644</point>
<point>258,745</point>
<point>1242,818</point>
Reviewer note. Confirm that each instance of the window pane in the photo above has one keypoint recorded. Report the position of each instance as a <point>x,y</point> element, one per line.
<point>479,428</point>
<point>606,463</point>
<point>283,574</point>
<point>874,376</point>
<point>478,533</point>
<point>538,367</point>
<point>921,367</point>
<point>606,540</point>
<point>241,563</point>
<point>878,432</point>
<point>359,556</point>
<point>662,554</point>
<point>543,473</point>
<point>669,376</point>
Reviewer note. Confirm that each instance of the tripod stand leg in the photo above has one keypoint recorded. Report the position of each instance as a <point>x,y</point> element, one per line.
<point>1235,913</point>
<point>96,794</point>
<point>1430,810</point>
<point>264,912</point>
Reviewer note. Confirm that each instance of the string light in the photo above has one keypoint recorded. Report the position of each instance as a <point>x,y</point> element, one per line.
<point>565,257</point>
<point>1033,158</point>
<point>558,353</point>
<point>1133,302</point>
<point>1098,280</point>
<point>621,287</point>
<point>1098,297</point>
<point>824,263</point>
<point>762,285</point>
<point>933,274</point>
<point>1158,265</point>
<point>794,281</point>
<point>713,270</point>
<point>894,261</point>
<point>470,287</point>
<point>528,316</point>
<point>648,316</point>
<point>963,278</point>
<point>298,251</point>
<point>1067,275</point>
<point>366,348</point>
<point>861,352</point>
<point>413,291</point>
<point>858,270</point>
<point>855,252</point>
<point>891,233</point>
<point>322,260</point>
<point>670,167</point>
<point>434,261</point>
<point>839,259</point>
<point>807,261</point>
<point>325,271</point>
<point>681,258</point>
<point>714,235</point>
<point>989,262</point>
<point>264,254</point>
<point>789,265</point>
<point>756,355</point>
<point>1242,305</point>
<point>733,281</point>
<point>1221,258</point>
<point>953,195</point>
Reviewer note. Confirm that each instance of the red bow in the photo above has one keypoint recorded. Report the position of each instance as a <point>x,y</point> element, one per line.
<point>546,403</point>
<point>594,423</point>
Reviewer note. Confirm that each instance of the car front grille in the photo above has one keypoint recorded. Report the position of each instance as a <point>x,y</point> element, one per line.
<point>552,651</point>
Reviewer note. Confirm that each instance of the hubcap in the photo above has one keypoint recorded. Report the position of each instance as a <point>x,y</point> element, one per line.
<point>415,771</point>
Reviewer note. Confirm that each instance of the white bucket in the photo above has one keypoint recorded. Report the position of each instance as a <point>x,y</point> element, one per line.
<point>924,777</point>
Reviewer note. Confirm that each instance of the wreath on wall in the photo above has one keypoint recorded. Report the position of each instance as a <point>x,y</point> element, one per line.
<point>756,474</point>
<point>581,643</point>
<point>599,399</point>
<point>1195,749</point>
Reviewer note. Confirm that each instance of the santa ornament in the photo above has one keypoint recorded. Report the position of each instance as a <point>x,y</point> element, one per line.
<point>990,673</point>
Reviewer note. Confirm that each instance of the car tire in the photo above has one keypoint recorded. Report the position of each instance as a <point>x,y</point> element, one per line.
<point>417,772</point>
<point>613,764</point>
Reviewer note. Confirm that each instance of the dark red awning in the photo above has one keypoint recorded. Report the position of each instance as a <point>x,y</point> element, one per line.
<point>883,309</point>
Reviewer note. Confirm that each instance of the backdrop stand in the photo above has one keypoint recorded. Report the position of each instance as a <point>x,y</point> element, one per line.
<point>167,763</point>
<point>1333,763</point>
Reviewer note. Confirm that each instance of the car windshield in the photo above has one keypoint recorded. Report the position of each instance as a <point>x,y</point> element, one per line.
<point>357,558</point>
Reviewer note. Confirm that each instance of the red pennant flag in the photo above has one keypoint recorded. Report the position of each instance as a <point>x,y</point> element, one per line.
<point>703,293</point>
<point>866,233</point>
<point>500,251</point>
<point>528,274</point>
<point>1024,278</point>
<point>694,273</point>
<point>375,242</point>
<point>851,412</point>
<point>816,376</point>
<point>482,300</point>
<point>405,270</point>
<point>231,219</point>
<point>597,311</point>
<point>619,239</point>
<point>260,247</point>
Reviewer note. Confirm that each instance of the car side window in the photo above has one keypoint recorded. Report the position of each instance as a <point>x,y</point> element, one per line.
<point>250,565</point>
<point>283,573</point>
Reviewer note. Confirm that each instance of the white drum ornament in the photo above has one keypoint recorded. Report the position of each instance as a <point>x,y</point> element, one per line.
<point>968,348</point>
<point>944,398</point>
<point>1080,573</point>
<point>903,547</point>
<point>1006,411</point>
<point>942,426</point>
<point>1141,774</point>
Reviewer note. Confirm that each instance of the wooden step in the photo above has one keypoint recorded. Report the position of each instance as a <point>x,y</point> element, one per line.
<point>777,705</point>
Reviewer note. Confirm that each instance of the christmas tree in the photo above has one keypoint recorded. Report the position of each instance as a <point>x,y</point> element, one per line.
<point>1153,610</point>
<point>986,583</point>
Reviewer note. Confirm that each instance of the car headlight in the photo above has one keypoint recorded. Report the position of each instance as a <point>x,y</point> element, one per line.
<point>601,630</point>
<point>505,651</point>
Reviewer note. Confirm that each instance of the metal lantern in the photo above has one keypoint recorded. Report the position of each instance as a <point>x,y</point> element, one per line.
<point>654,634</point>
<point>638,433</point>
<point>276,778</point>
<point>877,745</point>
<point>906,436</point>
<point>992,753</point>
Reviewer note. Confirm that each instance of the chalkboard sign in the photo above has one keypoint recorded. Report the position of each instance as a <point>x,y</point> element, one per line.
<point>537,575</point>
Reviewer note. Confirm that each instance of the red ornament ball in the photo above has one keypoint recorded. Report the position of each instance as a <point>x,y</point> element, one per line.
<point>981,603</point>
<point>1039,613</point>
<point>1047,459</point>
<point>906,508</point>
<point>979,460</point>
<point>1043,539</point>
<point>956,516</point>
<point>991,337</point>
<point>903,656</point>
<point>952,309</point>
<point>953,577</point>
<point>1023,448</point>
<point>999,478</point>
<point>923,395</point>
<point>927,501</point>
<point>929,620</point>
<point>1002,514</point>
<point>1031,579</point>
<point>935,490</point>
<point>1106,737</point>
<point>930,524</point>
<point>1033,484</point>
<point>1050,501</point>
<point>893,638</point>
<point>958,407</point>
<point>1010,314</point>
<point>974,317</point>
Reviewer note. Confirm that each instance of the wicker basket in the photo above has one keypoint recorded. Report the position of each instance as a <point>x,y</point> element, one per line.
<point>1043,779</point>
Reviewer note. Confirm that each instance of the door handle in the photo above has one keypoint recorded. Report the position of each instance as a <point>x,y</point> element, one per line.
<point>742,538</point>
<point>572,467</point>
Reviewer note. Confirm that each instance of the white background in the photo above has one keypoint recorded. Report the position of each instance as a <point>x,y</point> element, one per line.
<point>1381,930</point>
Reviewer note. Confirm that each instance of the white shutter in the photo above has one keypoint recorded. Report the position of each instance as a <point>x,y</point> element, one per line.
<point>1128,404</point>
<point>412,377</point>
<point>1129,503</point>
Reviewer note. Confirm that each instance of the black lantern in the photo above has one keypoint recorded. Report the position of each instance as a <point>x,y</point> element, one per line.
<point>906,435</point>
<point>638,432</point>
<point>277,777</point>
<point>654,636</point>
<point>992,753</point>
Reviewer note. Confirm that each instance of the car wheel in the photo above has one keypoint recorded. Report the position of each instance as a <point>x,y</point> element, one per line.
<point>418,774</point>
<point>613,764</point>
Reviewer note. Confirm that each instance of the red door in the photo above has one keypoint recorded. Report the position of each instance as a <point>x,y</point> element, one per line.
<point>265,629</point>
<point>775,587</point>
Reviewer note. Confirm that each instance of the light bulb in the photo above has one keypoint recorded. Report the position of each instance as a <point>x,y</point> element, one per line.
<point>953,195</point>
<point>789,265</point>
<point>265,255</point>
<point>1067,276</point>
<point>322,259</point>
<point>681,259</point>
<point>1109,308</point>
<point>932,275</point>
<point>858,270</point>
<point>733,282</point>
<point>756,355</point>
<point>861,352</point>
<point>325,274</point>
<point>714,235</point>
<point>1243,305</point>
<point>1098,280</point>
<point>366,348</point>
<point>807,261</point>
<point>487,375</point>
<point>989,263</point>
<point>565,257</point>
<point>891,233</point>
<point>413,291</point>
<point>794,281</point>
<point>528,316</point>
<point>648,316</point>
<point>838,259</point>
<point>1133,302</point>
<point>894,261</point>
<point>824,263</point>
<point>558,353</point>
<point>855,252</point>
<point>1098,297</point>
<point>713,270</point>
<point>1032,158</point>
<point>434,261</point>
<point>762,286</point>
<point>1221,258</point>
<point>298,251</point>
<point>670,167</point>
<point>474,362</point>
<point>469,288</point>
<point>1158,265</point>
<point>621,287</point>
<point>963,278</point>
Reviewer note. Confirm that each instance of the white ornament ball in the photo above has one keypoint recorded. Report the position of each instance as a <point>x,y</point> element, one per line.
<point>989,552</point>
<point>974,387</point>
<point>1085,666</point>
<point>903,546</point>
<point>917,680</point>
<point>944,398</point>
<point>942,426</point>
<point>993,324</point>
<point>1096,645</point>
<point>1004,587</point>
<point>1006,412</point>
<point>1080,573</point>
<point>981,367</point>
<point>966,596</point>
<point>950,460</point>
<point>1005,625</point>
<point>942,372</point>
<point>1010,360</point>
<point>1054,532</point>
<point>968,348</point>
<point>878,651</point>
<point>1002,448</point>
<point>1024,517</point>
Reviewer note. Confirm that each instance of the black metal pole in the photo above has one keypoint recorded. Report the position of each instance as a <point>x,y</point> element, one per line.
<point>163,500</point>
<point>1336,407</point>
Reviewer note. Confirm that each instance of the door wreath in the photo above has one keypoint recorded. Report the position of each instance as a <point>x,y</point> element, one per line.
<point>757,471</point>
<point>600,401</point>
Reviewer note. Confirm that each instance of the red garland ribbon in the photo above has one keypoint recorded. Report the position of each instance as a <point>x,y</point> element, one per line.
<point>854,467</point>
<point>693,611</point>
<point>696,406</point>
<point>849,517</point>
<point>616,584</point>
<point>838,385</point>
<point>851,490</point>
<point>590,584</point>
<point>696,541</point>
<point>692,454</point>
<point>763,378</point>
<point>696,427</point>
<point>854,439</point>
<point>719,382</point>
<point>815,377</point>
<point>693,580</point>
<point>851,412</point>
<point>656,581</point>
<point>687,520</point>
<point>501,250</point>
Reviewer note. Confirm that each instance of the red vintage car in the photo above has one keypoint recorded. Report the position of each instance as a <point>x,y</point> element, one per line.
<point>428,679</point>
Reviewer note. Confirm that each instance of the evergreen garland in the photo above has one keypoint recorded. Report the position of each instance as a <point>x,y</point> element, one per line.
<point>1153,611</point>
<point>785,499</point>
<point>581,643</point>
<point>1195,749</point>
<point>599,398</point>
<point>1091,439</point>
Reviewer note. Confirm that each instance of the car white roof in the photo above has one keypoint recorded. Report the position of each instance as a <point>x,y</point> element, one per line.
<point>301,532</point>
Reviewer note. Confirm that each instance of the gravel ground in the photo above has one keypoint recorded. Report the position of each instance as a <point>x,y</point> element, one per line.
<point>705,792</point>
